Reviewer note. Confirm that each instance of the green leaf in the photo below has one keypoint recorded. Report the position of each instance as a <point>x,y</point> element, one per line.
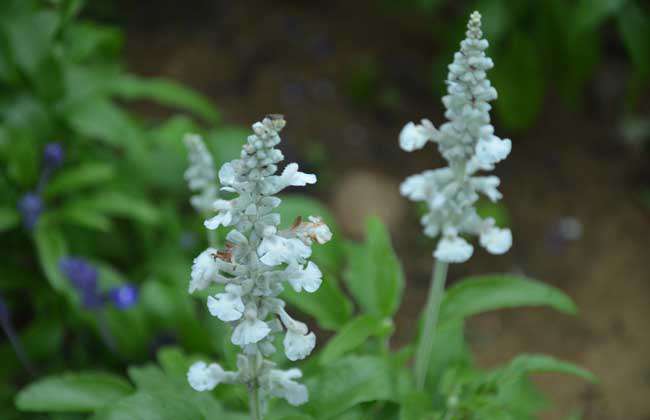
<point>9,218</point>
<point>526,364</point>
<point>374,275</point>
<point>147,406</point>
<point>74,214</point>
<point>83,176</point>
<point>78,392</point>
<point>634,26</point>
<point>115,203</point>
<point>592,13</point>
<point>348,382</point>
<point>352,335</point>
<point>165,92</point>
<point>100,119</point>
<point>474,295</point>
<point>51,247</point>
<point>328,305</point>
<point>519,79</point>
<point>30,36</point>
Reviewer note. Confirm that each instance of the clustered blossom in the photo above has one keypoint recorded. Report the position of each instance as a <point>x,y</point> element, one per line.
<point>200,175</point>
<point>468,143</point>
<point>257,260</point>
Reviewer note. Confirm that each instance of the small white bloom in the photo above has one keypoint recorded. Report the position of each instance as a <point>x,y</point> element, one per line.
<point>204,270</point>
<point>227,306</point>
<point>319,231</point>
<point>249,331</point>
<point>281,384</point>
<point>453,249</point>
<point>488,186</point>
<point>227,174</point>
<point>275,250</point>
<point>292,177</point>
<point>412,137</point>
<point>496,240</point>
<point>416,187</point>
<point>491,151</point>
<point>223,217</point>
<point>204,377</point>
<point>298,343</point>
<point>309,278</point>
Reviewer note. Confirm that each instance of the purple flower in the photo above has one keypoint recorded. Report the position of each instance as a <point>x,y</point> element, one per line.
<point>83,277</point>
<point>30,207</point>
<point>53,155</point>
<point>124,297</point>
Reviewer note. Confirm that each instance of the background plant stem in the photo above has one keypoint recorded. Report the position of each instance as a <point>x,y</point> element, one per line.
<point>431,310</point>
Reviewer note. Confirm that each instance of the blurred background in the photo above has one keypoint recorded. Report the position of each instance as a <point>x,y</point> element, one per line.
<point>573,82</point>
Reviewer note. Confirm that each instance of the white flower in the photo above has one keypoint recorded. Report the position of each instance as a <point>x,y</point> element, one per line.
<point>319,231</point>
<point>413,137</point>
<point>203,377</point>
<point>223,217</point>
<point>416,187</point>
<point>200,173</point>
<point>227,306</point>
<point>275,250</point>
<point>204,270</point>
<point>491,151</point>
<point>292,177</point>
<point>309,278</point>
<point>453,249</point>
<point>496,240</point>
<point>281,384</point>
<point>298,343</point>
<point>488,186</point>
<point>249,331</point>
<point>227,175</point>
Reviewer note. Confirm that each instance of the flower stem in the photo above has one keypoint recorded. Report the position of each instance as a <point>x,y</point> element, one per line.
<point>254,402</point>
<point>425,345</point>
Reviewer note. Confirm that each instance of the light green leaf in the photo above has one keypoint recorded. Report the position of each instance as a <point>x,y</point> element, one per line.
<point>352,335</point>
<point>164,92</point>
<point>100,119</point>
<point>328,305</point>
<point>526,364</point>
<point>374,275</point>
<point>78,392</point>
<point>74,214</point>
<point>9,218</point>
<point>474,295</point>
<point>115,203</point>
<point>51,247</point>
<point>83,176</point>
<point>146,406</point>
<point>348,382</point>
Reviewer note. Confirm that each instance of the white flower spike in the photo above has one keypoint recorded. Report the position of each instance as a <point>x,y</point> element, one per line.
<point>258,260</point>
<point>200,175</point>
<point>468,143</point>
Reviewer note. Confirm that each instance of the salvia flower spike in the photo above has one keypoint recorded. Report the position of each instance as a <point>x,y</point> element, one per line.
<point>256,262</point>
<point>200,175</point>
<point>468,144</point>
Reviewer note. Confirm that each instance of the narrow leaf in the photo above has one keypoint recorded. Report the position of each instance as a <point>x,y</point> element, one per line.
<point>83,176</point>
<point>79,392</point>
<point>474,295</point>
<point>352,335</point>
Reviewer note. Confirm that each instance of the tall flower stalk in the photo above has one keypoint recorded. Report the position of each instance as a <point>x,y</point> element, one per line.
<point>468,144</point>
<point>256,262</point>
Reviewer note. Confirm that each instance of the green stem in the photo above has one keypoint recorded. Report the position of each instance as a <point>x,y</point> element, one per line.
<point>425,345</point>
<point>254,401</point>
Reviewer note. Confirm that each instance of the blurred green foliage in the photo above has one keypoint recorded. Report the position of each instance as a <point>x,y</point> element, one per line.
<point>540,44</point>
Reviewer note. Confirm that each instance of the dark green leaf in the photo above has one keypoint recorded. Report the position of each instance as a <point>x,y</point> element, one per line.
<point>474,295</point>
<point>374,275</point>
<point>51,247</point>
<point>9,218</point>
<point>80,392</point>
<point>83,176</point>
<point>634,26</point>
<point>352,335</point>
<point>165,92</point>
<point>526,364</point>
<point>348,382</point>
